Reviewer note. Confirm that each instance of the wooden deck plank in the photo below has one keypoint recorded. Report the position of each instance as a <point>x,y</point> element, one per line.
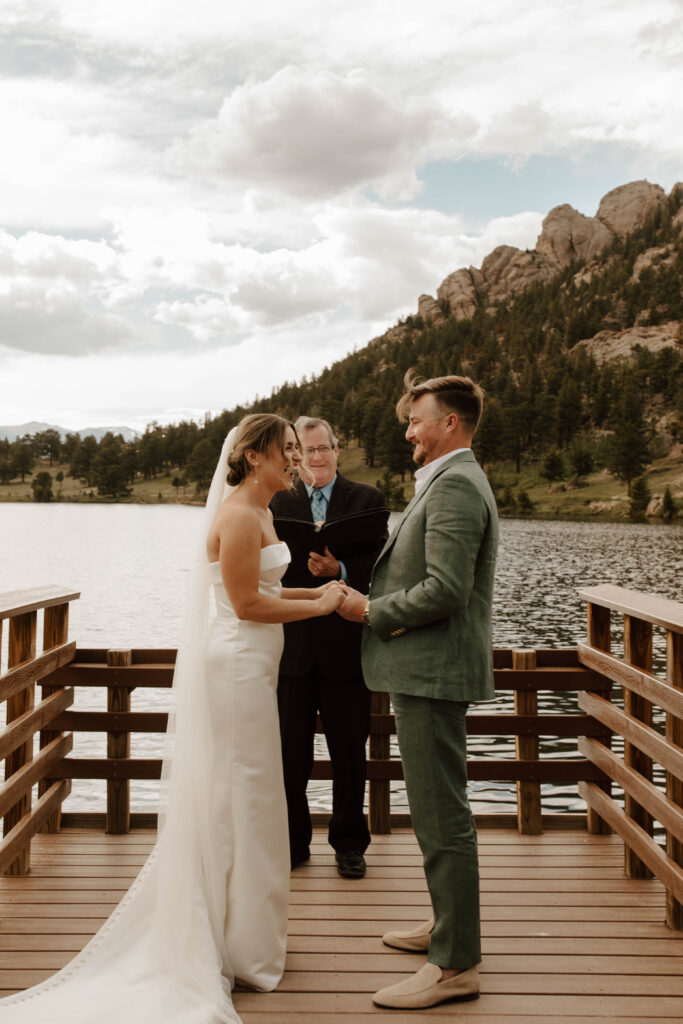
<point>534,983</point>
<point>515,944</point>
<point>426,1017</point>
<point>566,937</point>
<point>369,897</point>
<point>458,1012</point>
<point>309,1005</point>
<point>75,877</point>
<point>495,963</point>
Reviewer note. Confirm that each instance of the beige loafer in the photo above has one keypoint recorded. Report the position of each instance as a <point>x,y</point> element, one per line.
<point>414,941</point>
<point>424,989</point>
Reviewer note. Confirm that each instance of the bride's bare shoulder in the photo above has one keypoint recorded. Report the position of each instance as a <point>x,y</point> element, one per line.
<point>236,512</point>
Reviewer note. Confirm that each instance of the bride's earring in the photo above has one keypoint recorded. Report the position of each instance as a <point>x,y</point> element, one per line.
<point>256,466</point>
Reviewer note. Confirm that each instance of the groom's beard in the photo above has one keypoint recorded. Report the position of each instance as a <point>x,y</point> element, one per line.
<point>419,457</point>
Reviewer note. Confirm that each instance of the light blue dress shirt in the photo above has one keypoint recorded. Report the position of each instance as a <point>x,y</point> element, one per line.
<point>326,492</point>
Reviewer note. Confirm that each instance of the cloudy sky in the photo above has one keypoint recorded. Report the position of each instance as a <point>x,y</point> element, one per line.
<point>200,200</point>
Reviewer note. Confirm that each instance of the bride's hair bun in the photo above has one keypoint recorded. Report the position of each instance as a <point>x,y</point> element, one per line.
<point>256,433</point>
<point>238,467</point>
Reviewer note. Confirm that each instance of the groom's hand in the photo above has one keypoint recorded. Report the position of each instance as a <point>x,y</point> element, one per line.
<point>353,605</point>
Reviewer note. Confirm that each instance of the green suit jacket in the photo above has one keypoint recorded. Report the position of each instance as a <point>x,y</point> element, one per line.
<point>431,591</point>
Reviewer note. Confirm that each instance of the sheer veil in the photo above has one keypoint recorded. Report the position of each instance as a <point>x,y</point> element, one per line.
<point>161,955</point>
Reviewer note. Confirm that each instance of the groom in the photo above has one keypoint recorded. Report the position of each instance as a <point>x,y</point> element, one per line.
<point>427,640</point>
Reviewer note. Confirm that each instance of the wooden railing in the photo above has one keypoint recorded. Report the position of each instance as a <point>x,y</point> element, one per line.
<point>524,672</point>
<point>24,718</point>
<point>644,745</point>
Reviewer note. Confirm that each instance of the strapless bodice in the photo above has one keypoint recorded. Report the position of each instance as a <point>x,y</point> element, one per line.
<point>274,561</point>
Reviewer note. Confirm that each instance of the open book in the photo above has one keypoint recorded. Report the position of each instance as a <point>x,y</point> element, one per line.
<point>359,531</point>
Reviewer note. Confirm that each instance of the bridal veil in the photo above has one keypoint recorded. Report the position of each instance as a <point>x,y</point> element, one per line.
<point>161,956</point>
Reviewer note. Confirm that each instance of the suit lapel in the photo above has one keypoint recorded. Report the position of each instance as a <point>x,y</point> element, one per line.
<point>339,499</point>
<point>417,498</point>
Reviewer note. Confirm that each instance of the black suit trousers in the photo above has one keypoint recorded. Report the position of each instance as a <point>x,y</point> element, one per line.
<point>344,706</point>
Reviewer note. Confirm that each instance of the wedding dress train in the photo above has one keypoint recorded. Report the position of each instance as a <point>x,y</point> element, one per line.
<point>210,905</point>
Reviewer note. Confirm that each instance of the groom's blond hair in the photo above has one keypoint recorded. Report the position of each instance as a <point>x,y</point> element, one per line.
<point>453,394</point>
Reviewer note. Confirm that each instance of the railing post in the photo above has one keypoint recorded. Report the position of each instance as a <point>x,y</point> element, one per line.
<point>118,745</point>
<point>22,647</point>
<point>637,652</point>
<point>379,795</point>
<point>55,632</point>
<point>529,818</point>
<point>600,638</point>
<point>674,785</point>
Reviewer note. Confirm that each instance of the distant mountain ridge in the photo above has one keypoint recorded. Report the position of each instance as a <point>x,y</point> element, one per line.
<point>13,431</point>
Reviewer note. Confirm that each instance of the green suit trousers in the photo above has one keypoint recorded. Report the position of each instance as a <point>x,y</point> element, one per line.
<point>433,745</point>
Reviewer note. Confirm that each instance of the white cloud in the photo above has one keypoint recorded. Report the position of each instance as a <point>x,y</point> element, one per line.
<point>49,290</point>
<point>313,133</point>
<point>214,185</point>
<point>47,320</point>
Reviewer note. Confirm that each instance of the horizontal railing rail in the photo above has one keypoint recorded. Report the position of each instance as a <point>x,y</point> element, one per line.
<point>522,673</point>
<point>644,745</point>
<point>24,719</point>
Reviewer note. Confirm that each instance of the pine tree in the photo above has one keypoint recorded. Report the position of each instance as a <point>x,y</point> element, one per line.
<point>392,491</point>
<point>669,509</point>
<point>392,447</point>
<point>23,458</point>
<point>524,503</point>
<point>581,460</point>
<point>628,454</point>
<point>553,467</point>
<point>640,498</point>
<point>109,472</point>
<point>201,463</point>
<point>42,487</point>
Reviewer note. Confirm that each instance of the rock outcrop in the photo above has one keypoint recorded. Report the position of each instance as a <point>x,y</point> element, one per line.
<point>429,309</point>
<point>508,271</point>
<point>566,236</point>
<point>625,208</point>
<point>660,256</point>
<point>608,345</point>
<point>655,506</point>
<point>463,290</point>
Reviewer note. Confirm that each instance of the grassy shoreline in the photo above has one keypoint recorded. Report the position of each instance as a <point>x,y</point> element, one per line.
<point>599,497</point>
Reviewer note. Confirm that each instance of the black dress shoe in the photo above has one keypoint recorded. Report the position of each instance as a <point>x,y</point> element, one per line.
<point>350,864</point>
<point>300,858</point>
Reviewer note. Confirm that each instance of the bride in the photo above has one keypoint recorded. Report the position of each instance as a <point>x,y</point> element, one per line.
<point>209,908</point>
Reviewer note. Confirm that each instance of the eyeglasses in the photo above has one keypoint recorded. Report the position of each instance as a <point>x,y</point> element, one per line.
<point>322,449</point>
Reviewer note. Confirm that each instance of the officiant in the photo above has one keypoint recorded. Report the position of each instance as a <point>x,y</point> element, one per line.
<point>320,670</point>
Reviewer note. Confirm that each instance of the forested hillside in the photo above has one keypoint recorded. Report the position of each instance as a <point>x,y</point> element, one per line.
<point>556,406</point>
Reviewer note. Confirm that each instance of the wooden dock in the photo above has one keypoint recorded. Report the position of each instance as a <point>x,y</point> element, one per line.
<point>566,937</point>
<point>579,925</point>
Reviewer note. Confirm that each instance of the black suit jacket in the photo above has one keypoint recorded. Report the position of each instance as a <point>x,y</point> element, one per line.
<point>329,641</point>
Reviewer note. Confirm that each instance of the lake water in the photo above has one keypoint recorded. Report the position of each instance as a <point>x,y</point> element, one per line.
<point>130,563</point>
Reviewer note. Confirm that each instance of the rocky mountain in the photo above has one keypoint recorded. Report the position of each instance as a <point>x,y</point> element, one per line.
<point>567,237</point>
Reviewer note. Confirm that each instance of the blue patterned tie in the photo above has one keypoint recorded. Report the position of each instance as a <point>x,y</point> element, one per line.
<point>318,505</point>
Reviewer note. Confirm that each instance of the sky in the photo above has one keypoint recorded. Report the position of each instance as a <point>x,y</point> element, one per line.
<point>201,200</point>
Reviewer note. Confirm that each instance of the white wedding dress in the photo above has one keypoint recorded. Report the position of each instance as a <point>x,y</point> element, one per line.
<point>248,794</point>
<point>210,905</point>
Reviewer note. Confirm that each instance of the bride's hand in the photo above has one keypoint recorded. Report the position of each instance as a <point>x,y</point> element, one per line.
<point>331,596</point>
<point>317,592</point>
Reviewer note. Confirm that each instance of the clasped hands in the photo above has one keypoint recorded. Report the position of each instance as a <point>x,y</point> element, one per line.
<point>338,596</point>
<point>353,604</point>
